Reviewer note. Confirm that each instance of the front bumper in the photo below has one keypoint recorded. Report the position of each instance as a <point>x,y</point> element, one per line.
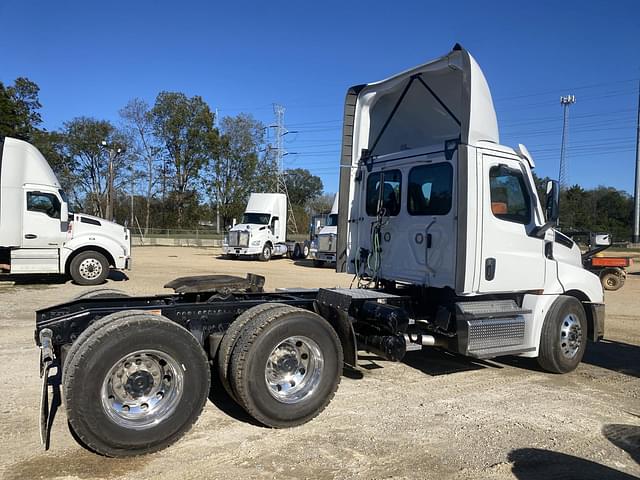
<point>227,250</point>
<point>323,256</point>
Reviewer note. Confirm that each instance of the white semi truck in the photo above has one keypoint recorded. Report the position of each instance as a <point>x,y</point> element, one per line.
<point>38,234</point>
<point>440,224</point>
<point>323,247</point>
<point>262,232</point>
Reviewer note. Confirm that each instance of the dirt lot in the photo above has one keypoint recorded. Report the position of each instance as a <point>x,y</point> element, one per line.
<point>433,416</point>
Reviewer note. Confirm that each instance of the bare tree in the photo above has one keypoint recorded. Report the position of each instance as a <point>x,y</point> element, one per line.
<point>82,138</point>
<point>138,121</point>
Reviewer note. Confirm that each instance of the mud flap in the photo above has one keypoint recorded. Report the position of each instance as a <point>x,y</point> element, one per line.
<point>44,405</point>
<point>47,358</point>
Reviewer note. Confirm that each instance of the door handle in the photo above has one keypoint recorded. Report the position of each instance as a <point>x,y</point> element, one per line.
<point>30,236</point>
<point>427,247</point>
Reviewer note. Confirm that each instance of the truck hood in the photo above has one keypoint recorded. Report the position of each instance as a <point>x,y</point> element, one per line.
<point>328,230</point>
<point>84,224</point>
<point>251,227</point>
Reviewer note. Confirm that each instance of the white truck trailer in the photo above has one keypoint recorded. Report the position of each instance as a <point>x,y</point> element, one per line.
<point>323,247</point>
<point>450,245</point>
<point>262,232</point>
<point>38,234</point>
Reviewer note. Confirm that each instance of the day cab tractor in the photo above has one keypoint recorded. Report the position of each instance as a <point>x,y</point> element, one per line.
<point>447,241</point>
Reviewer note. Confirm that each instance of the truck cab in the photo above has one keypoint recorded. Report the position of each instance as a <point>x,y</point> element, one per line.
<point>430,199</point>
<point>323,248</point>
<point>38,234</point>
<point>263,229</point>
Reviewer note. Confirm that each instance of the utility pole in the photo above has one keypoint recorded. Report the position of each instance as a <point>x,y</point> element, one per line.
<point>132,192</point>
<point>636,196</point>
<point>280,153</point>
<point>563,176</point>
<point>218,189</point>
<point>113,153</point>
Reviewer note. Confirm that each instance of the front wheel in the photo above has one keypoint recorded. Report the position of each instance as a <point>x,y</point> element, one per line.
<point>135,385</point>
<point>564,336</point>
<point>265,256</point>
<point>286,366</point>
<point>89,268</point>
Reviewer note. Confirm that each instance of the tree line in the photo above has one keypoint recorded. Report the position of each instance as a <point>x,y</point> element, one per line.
<point>600,209</point>
<point>184,168</point>
<point>173,164</point>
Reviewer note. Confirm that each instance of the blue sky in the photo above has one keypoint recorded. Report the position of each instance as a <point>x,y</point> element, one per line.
<point>90,58</point>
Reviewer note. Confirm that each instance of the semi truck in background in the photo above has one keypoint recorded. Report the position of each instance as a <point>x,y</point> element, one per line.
<point>38,234</point>
<point>440,225</point>
<point>323,247</point>
<point>262,232</point>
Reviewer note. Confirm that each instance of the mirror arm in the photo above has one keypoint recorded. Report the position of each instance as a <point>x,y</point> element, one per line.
<point>539,232</point>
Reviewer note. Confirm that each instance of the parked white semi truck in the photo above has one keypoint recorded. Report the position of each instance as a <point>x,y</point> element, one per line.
<point>38,234</point>
<point>448,240</point>
<point>262,232</point>
<point>323,248</point>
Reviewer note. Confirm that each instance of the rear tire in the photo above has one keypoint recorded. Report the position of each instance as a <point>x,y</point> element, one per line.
<point>231,336</point>
<point>167,383</point>
<point>297,251</point>
<point>612,280</point>
<point>286,366</point>
<point>564,336</point>
<point>89,268</point>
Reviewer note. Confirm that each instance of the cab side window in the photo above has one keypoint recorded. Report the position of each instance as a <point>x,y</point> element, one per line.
<point>46,203</point>
<point>509,195</point>
<point>386,194</point>
<point>430,189</point>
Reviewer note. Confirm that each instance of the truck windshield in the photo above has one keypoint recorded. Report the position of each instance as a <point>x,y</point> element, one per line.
<point>256,218</point>
<point>332,221</point>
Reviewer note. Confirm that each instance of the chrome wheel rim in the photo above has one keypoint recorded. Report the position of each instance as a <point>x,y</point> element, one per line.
<point>142,389</point>
<point>267,252</point>
<point>294,369</point>
<point>570,336</point>
<point>90,268</point>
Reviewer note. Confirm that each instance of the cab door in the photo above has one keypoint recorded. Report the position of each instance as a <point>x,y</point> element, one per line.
<point>512,256</point>
<point>42,226</point>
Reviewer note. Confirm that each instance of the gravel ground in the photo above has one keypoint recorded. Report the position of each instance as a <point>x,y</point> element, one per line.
<point>433,416</point>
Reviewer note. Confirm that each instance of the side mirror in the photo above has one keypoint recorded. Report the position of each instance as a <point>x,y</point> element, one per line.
<point>64,212</point>
<point>552,208</point>
<point>276,225</point>
<point>600,240</point>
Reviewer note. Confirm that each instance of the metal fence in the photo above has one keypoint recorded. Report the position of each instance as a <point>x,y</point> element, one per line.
<point>190,234</point>
<point>197,233</point>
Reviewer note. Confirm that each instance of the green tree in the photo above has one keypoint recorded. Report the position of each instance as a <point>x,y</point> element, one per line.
<point>19,109</point>
<point>184,127</point>
<point>302,186</point>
